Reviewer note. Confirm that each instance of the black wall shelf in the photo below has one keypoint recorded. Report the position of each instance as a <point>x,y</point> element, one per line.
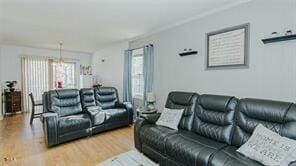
<point>188,53</point>
<point>279,39</point>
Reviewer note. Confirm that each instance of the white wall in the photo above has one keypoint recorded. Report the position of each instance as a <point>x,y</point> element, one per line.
<point>272,71</point>
<point>110,71</point>
<point>10,60</point>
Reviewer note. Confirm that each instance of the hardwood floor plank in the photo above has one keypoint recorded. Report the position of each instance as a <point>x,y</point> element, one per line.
<point>22,144</point>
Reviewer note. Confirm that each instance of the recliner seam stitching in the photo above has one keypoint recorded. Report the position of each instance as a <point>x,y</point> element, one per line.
<point>213,154</point>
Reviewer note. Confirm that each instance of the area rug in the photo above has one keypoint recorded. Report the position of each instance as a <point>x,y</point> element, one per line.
<point>130,158</point>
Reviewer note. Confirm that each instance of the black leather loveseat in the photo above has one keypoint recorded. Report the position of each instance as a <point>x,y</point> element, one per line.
<point>211,129</point>
<point>71,114</point>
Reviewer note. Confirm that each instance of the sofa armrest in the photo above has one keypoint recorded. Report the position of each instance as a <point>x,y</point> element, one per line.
<point>45,102</point>
<point>50,127</point>
<point>93,109</point>
<point>129,107</point>
<point>96,114</point>
<point>140,122</point>
<point>138,125</point>
<point>151,118</point>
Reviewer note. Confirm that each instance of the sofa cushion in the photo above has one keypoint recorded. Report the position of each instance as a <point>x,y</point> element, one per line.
<point>191,149</point>
<point>277,116</point>
<point>73,123</point>
<point>106,97</point>
<point>170,118</point>
<point>154,136</point>
<point>116,115</point>
<point>87,96</point>
<point>228,156</point>
<point>186,101</point>
<point>214,117</point>
<point>64,102</point>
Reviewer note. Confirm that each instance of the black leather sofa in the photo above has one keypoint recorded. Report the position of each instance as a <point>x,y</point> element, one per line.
<point>212,128</point>
<point>70,114</point>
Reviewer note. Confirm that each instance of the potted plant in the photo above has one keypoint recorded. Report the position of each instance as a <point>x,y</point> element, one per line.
<point>11,85</point>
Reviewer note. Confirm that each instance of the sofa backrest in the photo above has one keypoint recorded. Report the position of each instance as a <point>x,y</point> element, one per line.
<point>64,102</point>
<point>106,97</point>
<point>186,101</point>
<point>278,116</point>
<point>87,96</point>
<point>214,117</point>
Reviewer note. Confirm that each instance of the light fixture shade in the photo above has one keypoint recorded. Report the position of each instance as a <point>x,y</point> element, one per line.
<point>150,97</point>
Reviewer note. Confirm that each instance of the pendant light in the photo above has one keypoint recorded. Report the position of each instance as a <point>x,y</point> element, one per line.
<point>61,61</point>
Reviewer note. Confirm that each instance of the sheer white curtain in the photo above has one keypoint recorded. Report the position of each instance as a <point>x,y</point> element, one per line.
<point>35,79</point>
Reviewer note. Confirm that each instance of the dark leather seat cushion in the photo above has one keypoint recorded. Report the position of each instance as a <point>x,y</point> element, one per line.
<point>154,136</point>
<point>65,102</point>
<point>116,115</point>
<point>74,123</point>
<point>214,117</point>
<point>87,96</point>
<point>191,149</point>
<point>280,117</point>
<point>106,97</point>
<point>186,101</point>
<point>229,157</point>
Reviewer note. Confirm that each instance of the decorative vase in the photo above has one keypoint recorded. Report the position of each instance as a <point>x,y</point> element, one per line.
<point>150,106</point>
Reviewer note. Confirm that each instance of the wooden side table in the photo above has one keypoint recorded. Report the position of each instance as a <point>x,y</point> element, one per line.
<point>13,102</point>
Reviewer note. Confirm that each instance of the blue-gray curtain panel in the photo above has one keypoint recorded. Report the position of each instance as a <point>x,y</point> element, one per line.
<point>127,77</point>
<point>148,70</point>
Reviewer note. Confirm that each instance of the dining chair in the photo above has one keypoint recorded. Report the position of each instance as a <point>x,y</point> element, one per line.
<point>34,104</point>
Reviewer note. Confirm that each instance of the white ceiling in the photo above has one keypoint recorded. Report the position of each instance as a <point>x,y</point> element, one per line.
<point>89,25</point>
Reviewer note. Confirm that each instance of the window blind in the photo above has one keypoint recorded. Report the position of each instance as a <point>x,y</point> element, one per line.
<point>35,79</point>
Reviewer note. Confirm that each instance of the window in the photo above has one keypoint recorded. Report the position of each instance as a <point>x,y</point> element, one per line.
<point>65,74</point>
<point>137,73</point>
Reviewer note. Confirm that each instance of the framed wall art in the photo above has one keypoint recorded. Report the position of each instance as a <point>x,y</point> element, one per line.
<point>228,48</point>
<point>85,70</point>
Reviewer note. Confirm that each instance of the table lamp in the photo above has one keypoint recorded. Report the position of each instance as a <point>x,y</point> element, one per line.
<point>150,99</point>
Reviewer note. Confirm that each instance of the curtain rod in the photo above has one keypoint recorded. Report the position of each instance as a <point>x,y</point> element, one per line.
<point>47,57</point>
<point>141,47</point>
